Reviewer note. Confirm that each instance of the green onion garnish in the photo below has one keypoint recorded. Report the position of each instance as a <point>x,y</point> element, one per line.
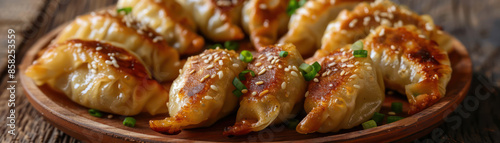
<point>310,71</point>
<point>246,56</point>
<point>126,9</point>
<point>391,119</point>
<point>292,123</point>
<point>397,107</point>
<point>95,113</point>
<point>214,46</point>
<point>369,124</point>
<point>283,54</point>
<point>360,53</point>
<point>237,93</point>
<point>358,45</point>
<point>242,74</point>
<point>129,122</point>
<point>293,5</point>
<point>231,45</point>
<point>378,117</point>
<point>238,84</point>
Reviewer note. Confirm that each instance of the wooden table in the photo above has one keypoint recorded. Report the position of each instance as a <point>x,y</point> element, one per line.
<point>476,23</point>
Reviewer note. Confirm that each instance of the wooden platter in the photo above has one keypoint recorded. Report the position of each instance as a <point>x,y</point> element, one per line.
<point>74,119</point>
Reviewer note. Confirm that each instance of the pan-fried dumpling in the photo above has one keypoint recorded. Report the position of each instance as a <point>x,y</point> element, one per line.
<point>202,94</point>
<point>410,64</point>
<point>274,95</point>
<point>347,92</point>
<point>309,22</point>
<point>264,21</point>
<point>218,20</point>
<point>100,76</point>
<point>169,20</point>
<point>351,26</point>
<point>124,32</point>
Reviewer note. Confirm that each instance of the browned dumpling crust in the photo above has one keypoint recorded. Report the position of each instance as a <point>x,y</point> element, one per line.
<point>274,95</point>
<point>345,93</point>
<point>125,32</point>
<point>202,94</point>
<point>308,23</point>
<point>351,26</point>
<point>100,76</point>
<point>410,64</point>
<point>264,21</point>
<point>170,20</point>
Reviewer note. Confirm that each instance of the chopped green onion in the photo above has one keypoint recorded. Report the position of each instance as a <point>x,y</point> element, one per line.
<point>238,84</point>
<point>397,107</point>
<point>95,113</point>
<point>237,93</point>
<point>231,45</point>
<point>293,5</point>
<point>127,10</point>
<point>391,119</point>
<point>214,46</point>
<point>360,53</point>
<point>309,73</point>
<point>283,54</point>
<point>292,123</point>
<point>306,67</point>
<point>246,56</point>
<point>378,117</point>
<point>358,45</point>
<point>129,122</point>
<point>369,124</point>
<point>242,74</point>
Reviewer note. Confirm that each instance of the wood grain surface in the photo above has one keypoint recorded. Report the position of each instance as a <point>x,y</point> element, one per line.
<point>473,22</point>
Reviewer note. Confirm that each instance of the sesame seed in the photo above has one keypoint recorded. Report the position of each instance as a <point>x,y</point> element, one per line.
<point>236,65</point>
<point>350,65</point>
<point>262,6</point>
<point>244,91</point>
<point>283,85</point>
<point>279,66</point>
<point>366,20</point>
<point>367,64</point>
<point>342,73</point>
<point>221,62</point>
<point>214,87</point>
<point>287,69</point>
<point>421,36</point>
<point>262,71</point>
<point>210,66</point>
<point>209,97</point>
<point>295,68</point>
<point>354,76</point>
<point>369,68</point>
<point>217,58</point>
<point>259,82</point>
<point>269,59</point>
<point>221,74</point>
<point>258,64</point>
<point>353,23</point>
<point>111,77</point>
<point>270,67</point>
<point>381,32</point>
<point>260,56</point>
<point>356,63</point>
<point>264,92</point>
<point>344,60</point>
<point>331,58</point>
<point>324,74</point>
<point>392,113</point>
<point>331,64</point>
<point>307,93</point>
<point>206,61</point>
<point>331,85</point>
<point>429,26</point>
<point>393,48</point>
<point>316,80</point>
<point>212,76</point>
<point>294,73</point>
<point>357,86</point>
<point>98,48</point>
<point>192,71</point>
<point>254,93</point>
<point>203,79</point>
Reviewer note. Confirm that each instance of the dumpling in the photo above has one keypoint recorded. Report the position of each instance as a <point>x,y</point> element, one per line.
<point>202,94</point>
<point>347,92</point>
<point>264,21</point>
<point>100,76</point>
<point>410,64</point>
<point>309,22</point>
<point>218,20</point>
<point>168,19</point>
<point>122,31</point>
<point>351,26</point>
<point>274,95</point>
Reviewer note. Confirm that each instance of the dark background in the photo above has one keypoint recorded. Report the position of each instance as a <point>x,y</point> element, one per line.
<point>476,23</point>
